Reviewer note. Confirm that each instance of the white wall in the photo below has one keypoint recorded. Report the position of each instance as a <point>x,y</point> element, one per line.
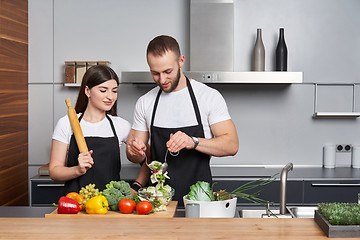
<point>274,122</point>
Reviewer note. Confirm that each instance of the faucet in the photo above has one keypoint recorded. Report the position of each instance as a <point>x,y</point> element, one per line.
<point>283,180</point>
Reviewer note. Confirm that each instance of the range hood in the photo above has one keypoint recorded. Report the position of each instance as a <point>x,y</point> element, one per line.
<point>212,49</point>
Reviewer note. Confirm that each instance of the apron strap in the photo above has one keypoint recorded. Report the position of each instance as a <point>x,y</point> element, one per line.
<point>155,107</point>
<point>194,102</point>
<point>112,125</point>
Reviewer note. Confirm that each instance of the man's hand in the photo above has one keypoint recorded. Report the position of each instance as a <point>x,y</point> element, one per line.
<point>178,141</point>
<point>136,147</point>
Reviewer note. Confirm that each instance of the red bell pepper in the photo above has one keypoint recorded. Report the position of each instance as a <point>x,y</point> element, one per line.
<point>68,206</point>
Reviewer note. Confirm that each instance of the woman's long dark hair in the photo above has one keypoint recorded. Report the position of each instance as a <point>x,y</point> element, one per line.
<point>94,76</point>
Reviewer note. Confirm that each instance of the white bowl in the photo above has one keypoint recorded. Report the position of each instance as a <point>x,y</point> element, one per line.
<point>215,209</point>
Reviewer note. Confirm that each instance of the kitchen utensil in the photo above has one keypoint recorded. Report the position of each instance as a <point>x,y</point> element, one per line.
<point>164,165</point>
<point>75,125</point>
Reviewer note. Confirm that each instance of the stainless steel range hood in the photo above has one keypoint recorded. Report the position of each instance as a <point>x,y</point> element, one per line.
<point>212,35</point>
<point>212,49</point>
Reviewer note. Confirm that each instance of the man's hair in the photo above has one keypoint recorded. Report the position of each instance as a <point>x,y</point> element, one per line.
<point>162,44</point>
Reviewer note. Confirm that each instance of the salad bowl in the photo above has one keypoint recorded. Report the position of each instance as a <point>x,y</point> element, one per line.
<point>160,198</point>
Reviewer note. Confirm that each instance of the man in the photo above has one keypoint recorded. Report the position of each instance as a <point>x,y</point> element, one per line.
<point>182,115</point>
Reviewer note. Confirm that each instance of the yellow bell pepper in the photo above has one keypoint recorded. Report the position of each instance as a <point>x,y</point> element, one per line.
<point>97,205</point>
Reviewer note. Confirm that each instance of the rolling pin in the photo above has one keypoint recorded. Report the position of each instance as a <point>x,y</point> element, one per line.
<point>75,125</point>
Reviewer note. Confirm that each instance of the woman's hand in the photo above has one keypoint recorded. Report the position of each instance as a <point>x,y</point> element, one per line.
<point>85,161</point>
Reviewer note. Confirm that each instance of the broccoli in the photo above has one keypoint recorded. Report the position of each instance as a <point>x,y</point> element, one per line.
<point>200,191</point>
<point>115,191</point>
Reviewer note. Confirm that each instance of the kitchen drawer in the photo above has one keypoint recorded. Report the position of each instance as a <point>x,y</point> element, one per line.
<point>45,193</point>
<point>270,192</point>
<point>331,191</point>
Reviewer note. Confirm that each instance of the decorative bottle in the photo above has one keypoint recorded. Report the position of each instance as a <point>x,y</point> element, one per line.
<point>259,53</point>
<point>281,53</point>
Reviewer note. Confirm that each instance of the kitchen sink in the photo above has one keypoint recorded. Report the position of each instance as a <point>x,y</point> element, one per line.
<point>302,211</point>
<point>255,213</point>
<point>292,212</point>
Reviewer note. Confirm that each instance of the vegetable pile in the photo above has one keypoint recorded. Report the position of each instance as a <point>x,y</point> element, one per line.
<point>116,196</point>
<point>115,191</point>
<point>340,213</point>
<point>201,191</point>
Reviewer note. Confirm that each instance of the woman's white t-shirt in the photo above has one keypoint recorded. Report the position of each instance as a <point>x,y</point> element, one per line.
<point>63,130</point>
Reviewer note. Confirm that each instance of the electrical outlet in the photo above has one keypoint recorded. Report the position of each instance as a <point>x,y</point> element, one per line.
<point>343,147</point>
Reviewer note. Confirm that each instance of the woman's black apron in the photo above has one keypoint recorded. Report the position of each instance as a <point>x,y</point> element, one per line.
<point>107,165</point>
<point>189,166</point>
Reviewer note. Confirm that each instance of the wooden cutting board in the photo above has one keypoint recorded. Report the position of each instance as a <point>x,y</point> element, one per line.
<point>169,213</point>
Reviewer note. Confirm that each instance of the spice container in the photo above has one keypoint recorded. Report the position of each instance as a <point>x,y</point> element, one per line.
<point>70,72</point>
<point>80,71</point>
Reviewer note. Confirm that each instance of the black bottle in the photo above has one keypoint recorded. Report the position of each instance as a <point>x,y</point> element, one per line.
<point>281,53</point>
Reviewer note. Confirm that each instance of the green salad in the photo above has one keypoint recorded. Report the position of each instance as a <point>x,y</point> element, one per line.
<point>161,194</point>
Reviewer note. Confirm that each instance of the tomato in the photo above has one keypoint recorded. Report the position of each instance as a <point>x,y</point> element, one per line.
<point>127,205</point>
<point>144,207</point>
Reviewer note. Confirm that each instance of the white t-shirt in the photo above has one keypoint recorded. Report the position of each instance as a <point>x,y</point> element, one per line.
<point>175,109</point>
<point>63,130</point>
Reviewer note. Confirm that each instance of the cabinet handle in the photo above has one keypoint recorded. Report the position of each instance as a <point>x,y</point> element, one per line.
<point>50,185</point>
<point>335,184</point>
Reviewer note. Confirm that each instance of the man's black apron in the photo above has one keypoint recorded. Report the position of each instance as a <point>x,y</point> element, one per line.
<point>189,166</point>
<point>107,165</point>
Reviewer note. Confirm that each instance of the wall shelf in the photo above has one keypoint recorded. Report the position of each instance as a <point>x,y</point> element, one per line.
<point>72,84</point>
<point>223,77</point>
<point>337,114</point>
<point>351,114</point>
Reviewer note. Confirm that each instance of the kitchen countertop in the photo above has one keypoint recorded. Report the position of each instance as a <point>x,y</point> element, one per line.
<point>129,172</point>
<point>24,211</point>
<point>156,228</point>
<point>298,173</point>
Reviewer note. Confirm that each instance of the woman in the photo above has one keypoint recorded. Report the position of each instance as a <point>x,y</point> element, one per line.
<point>104,133</point>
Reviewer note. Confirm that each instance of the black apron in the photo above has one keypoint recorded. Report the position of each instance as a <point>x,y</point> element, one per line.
<point>107,165</point>
<point>189,166</point>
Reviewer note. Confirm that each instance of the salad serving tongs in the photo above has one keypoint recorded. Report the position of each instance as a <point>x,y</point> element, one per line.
<point>165,164</point>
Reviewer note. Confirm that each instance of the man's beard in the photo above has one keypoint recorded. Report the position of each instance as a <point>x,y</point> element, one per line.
<point>173,84</point>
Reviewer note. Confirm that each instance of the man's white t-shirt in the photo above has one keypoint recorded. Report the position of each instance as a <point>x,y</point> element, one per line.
<point>175,109</point>
<point>63,130</point>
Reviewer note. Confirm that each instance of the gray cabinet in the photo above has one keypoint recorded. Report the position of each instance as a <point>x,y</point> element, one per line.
<point>45,192</point>
<point>331,191</point>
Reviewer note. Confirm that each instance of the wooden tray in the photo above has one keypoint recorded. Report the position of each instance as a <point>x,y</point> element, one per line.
<point>336,231</point>
<point>169,213</point>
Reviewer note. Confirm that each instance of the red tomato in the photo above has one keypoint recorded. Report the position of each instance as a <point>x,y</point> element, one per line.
<point>127,205</point>
<point>144,207</point>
